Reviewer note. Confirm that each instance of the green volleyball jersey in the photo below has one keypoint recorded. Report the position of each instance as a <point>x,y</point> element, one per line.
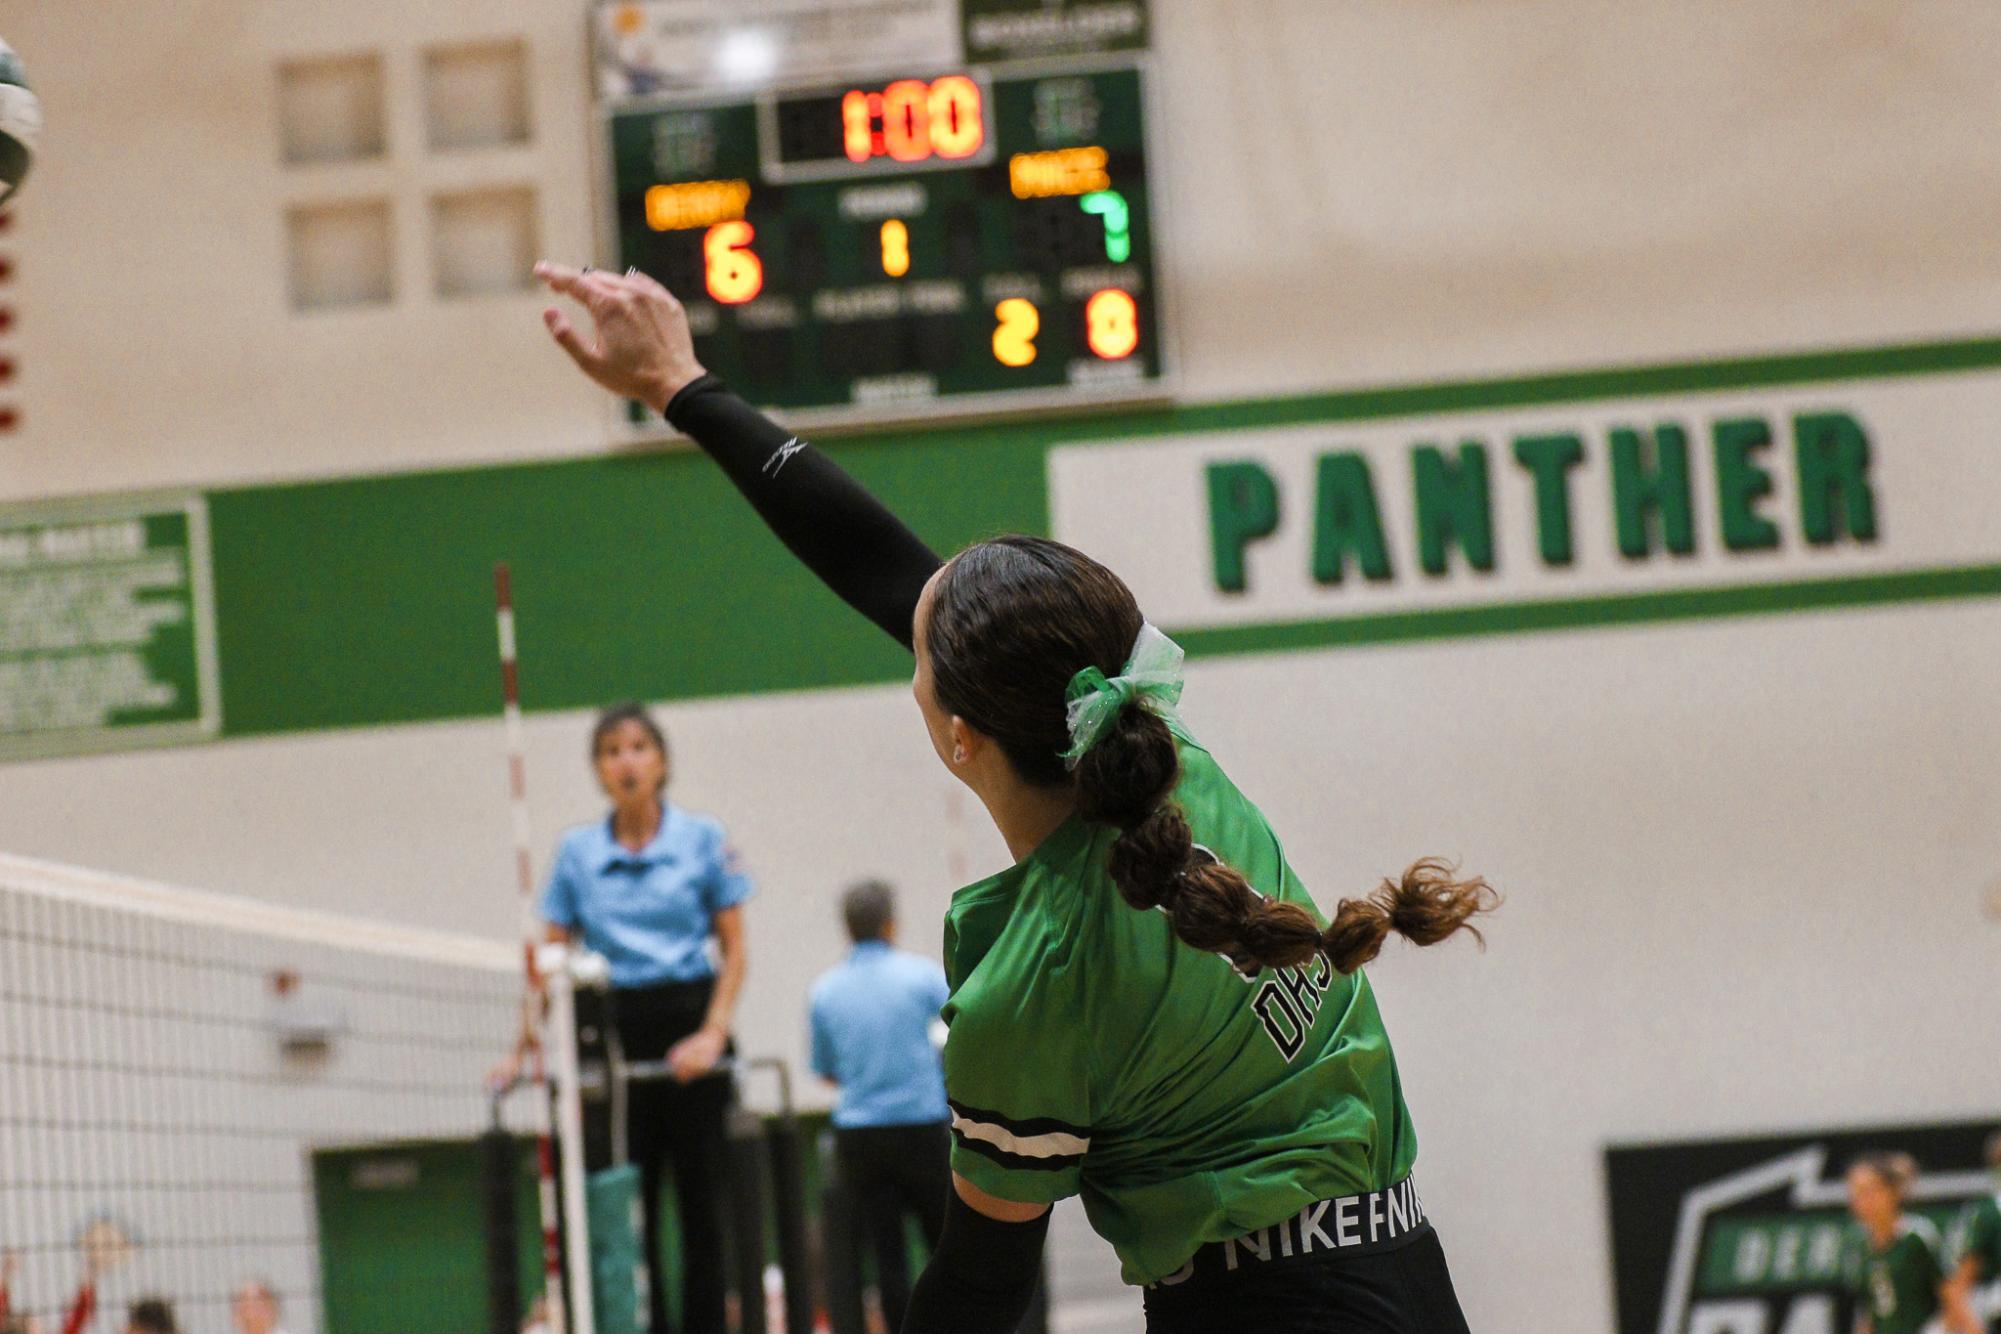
<point>1093,1053</point>
<point>1983,1238</point>
<point>1897,1287</point>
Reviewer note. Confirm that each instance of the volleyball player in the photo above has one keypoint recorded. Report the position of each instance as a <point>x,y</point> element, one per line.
<point>1896,1277</point>
<point>1146,1007</point>
<point>1980,1253</point>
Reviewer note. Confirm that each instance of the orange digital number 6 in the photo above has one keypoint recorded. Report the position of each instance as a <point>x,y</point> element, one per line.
<point>735,274</point>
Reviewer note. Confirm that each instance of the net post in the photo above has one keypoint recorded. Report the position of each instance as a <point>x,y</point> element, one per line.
<point>560,1040</point>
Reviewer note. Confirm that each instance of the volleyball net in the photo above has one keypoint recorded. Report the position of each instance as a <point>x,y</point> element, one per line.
<point>203,1095</point>
<point>192,1084</point>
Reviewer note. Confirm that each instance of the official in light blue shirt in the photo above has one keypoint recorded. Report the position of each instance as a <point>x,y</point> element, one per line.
<point>657,890</point>
<point>872,1017</point>
<point>649,910</point>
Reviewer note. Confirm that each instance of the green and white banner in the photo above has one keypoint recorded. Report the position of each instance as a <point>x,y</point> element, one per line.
<point>1641,498</point>
<point>107,626</point>
<point>1754,1236</point>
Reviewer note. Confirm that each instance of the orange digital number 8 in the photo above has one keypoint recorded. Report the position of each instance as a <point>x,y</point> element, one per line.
<point>1014,340</point>
<point>1111,324</point>
<point>735,274</point>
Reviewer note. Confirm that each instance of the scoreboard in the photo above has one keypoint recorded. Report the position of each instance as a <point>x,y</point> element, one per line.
<point>928,240</point>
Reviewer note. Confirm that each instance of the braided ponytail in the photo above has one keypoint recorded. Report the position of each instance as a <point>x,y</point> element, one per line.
<point>1012,620</point>
<point>1125,781</point>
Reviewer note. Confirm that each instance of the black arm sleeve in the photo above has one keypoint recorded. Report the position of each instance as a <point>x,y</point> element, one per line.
<point>841,532</point>
<point>982,1276</point>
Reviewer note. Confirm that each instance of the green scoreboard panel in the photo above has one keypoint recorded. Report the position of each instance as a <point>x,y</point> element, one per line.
<point>959,240</point>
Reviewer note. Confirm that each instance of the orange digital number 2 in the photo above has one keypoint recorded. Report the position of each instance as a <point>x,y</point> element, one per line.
<point>1014,340</point>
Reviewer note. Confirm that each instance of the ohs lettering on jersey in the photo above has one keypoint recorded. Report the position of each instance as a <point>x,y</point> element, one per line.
<point>1289,1002</point>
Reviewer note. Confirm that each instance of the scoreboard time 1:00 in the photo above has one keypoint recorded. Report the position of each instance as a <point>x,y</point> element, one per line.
<point>904,241</point>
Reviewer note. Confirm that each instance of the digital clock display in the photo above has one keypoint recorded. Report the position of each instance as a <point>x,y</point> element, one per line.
<point>904,123</point>
<point>908,243</point>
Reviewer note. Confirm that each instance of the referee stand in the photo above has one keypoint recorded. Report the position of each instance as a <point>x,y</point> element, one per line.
<point>770,1212</point>
<point>766,1210</point>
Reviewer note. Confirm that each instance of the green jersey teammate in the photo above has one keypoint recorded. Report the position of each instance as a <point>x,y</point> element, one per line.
<point>1147,1009</point>
<point>1895,1271</point>
<point>1980,1251</point>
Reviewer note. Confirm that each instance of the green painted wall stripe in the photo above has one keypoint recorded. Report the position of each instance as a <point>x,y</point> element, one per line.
<point>1684,604</point>
<point>368,601</point>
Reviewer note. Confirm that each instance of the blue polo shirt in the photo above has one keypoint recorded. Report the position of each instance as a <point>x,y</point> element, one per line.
<point>872,1019</point>
<point>649,912</point>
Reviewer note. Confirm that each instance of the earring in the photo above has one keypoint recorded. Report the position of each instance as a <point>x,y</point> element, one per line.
<point>959,755</point>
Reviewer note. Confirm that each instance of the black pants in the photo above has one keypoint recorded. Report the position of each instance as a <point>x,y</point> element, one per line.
<point>670,1126</point>
<point>1404,1291</point>
<point>894,1172</point>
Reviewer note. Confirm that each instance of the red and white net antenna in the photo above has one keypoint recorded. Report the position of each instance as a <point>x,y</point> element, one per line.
<point>524,870</point>
<point>10,415</point>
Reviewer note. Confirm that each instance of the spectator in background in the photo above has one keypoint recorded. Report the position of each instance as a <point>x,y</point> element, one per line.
<point>82,1306</point>
<point>151,1315</point>
<point>872,1017</point>
<point>10,1323</point>
<point>1980,1253</point>
<point>253,1308</point>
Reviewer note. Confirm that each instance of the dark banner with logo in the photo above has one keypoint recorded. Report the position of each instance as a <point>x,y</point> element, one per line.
<point>1753,1236</point>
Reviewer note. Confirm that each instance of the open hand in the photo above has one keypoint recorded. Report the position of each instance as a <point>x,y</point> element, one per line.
<point>642,347</point>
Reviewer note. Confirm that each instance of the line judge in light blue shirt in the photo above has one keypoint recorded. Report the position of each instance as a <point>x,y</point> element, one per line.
<point>658,891</point>
<point>872,1017</point>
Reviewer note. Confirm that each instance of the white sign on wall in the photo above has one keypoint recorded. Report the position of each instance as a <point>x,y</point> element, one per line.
<point>1632,497</point>
<point>665,46</point>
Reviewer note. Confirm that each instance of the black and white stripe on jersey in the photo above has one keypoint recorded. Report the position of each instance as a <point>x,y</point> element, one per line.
<point>1039,1143</point>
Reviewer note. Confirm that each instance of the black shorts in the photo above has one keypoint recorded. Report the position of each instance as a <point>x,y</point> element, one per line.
<point>1386,1284</point>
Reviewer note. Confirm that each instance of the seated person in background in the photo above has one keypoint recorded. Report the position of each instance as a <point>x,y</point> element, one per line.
<point>253,1308</point>
<point>151,1315</point>
<point>872,1016</point>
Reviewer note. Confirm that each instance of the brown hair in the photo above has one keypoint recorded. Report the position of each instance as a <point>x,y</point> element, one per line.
<point>154,1316</point>
<point>1012,621</point>
<point>1898,1171</point>
<point>616,716</point>
<point>868,907</point>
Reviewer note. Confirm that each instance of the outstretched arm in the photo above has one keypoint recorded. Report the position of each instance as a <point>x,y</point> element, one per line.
<point>643,350</point>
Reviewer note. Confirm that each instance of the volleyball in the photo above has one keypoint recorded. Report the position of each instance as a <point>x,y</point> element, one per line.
<point>20,123</point>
